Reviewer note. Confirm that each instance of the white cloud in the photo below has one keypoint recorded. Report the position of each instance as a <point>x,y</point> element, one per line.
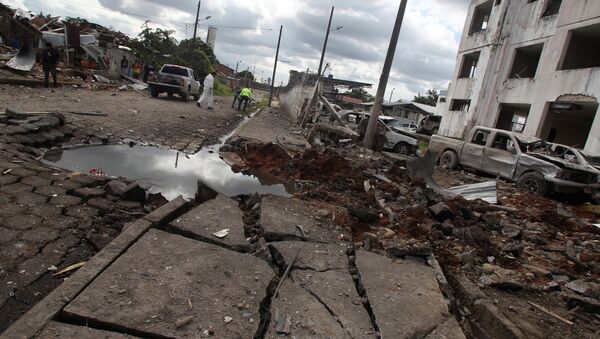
<point>424,59</point>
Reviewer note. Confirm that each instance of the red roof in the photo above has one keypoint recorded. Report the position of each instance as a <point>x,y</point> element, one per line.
<point>352,100</point>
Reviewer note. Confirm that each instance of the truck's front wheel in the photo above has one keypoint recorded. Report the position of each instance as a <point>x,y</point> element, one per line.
<point>449,160</point>
<point>153,93</point>
<point>186,95</point>
<point>534,183</point>
<point>402,148</point>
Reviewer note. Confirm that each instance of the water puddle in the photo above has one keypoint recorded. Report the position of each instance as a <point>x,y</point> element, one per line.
<point>159,170</point>
<point>166,171</point>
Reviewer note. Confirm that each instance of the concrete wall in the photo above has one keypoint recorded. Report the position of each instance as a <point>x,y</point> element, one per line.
<point>292,96</point>
<point>515,24</point>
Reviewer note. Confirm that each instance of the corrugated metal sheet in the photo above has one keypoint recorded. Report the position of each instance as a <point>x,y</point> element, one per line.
<point>487,191</point>
<point>24,60</point>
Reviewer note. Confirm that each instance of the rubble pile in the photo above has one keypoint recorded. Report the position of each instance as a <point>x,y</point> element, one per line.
<point>541,252</point>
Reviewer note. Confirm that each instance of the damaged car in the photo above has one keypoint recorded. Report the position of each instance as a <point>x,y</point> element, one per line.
<point>532,163</point>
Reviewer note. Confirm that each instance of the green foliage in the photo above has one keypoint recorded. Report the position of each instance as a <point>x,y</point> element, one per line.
<point>159,47</point>
<point>221,89</point>
<point>361,94</point>
<point>76,21</point>
<point>245,74</point>
<point>430,98</point>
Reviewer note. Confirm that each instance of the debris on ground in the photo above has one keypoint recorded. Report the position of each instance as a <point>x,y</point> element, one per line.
<point>547,254</point>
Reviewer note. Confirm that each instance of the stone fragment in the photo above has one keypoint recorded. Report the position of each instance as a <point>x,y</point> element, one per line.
<point>88,192</point>
<point>441,212</point>
<point>584,287</point>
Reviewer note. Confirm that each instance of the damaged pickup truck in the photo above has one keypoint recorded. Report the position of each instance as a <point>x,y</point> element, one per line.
<point>535,165</point>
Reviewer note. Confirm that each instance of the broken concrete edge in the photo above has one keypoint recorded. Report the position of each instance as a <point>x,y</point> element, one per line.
<point>48,308</point>
<point>485,320</point>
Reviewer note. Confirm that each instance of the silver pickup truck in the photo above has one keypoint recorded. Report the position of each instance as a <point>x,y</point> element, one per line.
<point>533,164</point>
<point>174,79</point>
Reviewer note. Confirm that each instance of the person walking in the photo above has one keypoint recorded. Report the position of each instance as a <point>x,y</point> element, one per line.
<point>124,66</point>
<point>49,61</point>
<point>245,96</point>
<point>236,96</point>
<point>207,92</point>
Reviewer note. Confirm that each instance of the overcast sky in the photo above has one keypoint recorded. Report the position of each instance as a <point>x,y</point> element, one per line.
<point>425,56</point>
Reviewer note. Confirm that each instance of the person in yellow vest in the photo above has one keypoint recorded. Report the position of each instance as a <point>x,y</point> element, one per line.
<point>245,96</point>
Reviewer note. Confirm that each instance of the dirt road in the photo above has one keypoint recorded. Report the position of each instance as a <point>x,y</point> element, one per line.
<point>165,121</point>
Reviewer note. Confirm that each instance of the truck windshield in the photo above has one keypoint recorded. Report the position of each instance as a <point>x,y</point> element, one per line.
<point>175,70</point>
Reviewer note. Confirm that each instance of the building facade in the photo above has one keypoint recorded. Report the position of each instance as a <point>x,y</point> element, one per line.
<point>531,66</point>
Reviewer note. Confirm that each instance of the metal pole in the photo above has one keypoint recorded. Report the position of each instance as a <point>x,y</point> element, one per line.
<point>275,67</point>
<point>325,43</point>
<point>385,74</point>
<point>196,23</point>
<point>393,89</point>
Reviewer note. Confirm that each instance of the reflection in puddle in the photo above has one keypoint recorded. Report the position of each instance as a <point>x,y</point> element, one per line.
<point>166,171</point>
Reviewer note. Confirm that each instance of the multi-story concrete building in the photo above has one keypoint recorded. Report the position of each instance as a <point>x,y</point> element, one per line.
<point>531,66</point>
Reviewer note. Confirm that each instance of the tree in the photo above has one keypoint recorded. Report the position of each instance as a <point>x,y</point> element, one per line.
<point>159,47</point>
<point>76,21</point>
<point>430,98</point>
<point>361,94</point>
<point>246,74</point>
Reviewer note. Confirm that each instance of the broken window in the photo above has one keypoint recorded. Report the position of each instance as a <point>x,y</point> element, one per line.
<point>469,65</point>
<point>518,123</point>
<point>552,8</point>
<point>583,50</point>
<point>481,17</point>
<point>502,142</point>
<point>462,105</point>
<point>513,117</point>
<point>526,61</point>
<point>480,137</point>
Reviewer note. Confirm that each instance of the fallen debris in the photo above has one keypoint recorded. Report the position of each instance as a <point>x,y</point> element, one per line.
<point>222,233</point>
<point>70,268</point>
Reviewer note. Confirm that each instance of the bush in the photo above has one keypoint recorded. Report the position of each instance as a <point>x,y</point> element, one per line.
<point>221,89</point>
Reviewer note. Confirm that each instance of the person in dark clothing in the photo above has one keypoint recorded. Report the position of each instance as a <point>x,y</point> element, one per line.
<point>125,66</point>
<point>236,95</point>
<point>49,61</point>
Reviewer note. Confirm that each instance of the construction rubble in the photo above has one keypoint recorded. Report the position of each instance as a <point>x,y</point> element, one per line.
<point>500,262</point>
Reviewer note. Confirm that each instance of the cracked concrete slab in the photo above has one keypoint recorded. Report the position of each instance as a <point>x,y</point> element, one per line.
<point>450,329</point>
<point>59,330</point>
<point>308,318</point>
<point>281,216</point>
<point>314,256</point>
<point>337,291</point>
<point>165,278</point>
<point>404,295</point>
<point>213,216</point>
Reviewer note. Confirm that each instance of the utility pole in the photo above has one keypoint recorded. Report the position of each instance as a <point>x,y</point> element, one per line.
<point>275,66</point>
<point>385,74</point>
<point>325,43</point>
<point>196,22</point>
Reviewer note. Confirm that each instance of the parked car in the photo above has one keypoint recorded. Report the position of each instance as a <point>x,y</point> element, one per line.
<point>407,127</point>
<point>430,124</point>
<point>535,165</point>
<point>174,79</point>
<point>395,139</point>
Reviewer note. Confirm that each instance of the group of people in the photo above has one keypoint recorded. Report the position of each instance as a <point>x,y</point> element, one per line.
<point>241,95</point>
<point>50,57</point>
<point>137,70</point>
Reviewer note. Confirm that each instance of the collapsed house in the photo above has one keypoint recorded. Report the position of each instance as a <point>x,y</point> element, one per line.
<point>83,45</point>
<point>530,67</point>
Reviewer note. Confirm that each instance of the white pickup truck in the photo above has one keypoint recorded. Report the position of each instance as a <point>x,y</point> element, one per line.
<point>532,163</point>
<point>174,79</point>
